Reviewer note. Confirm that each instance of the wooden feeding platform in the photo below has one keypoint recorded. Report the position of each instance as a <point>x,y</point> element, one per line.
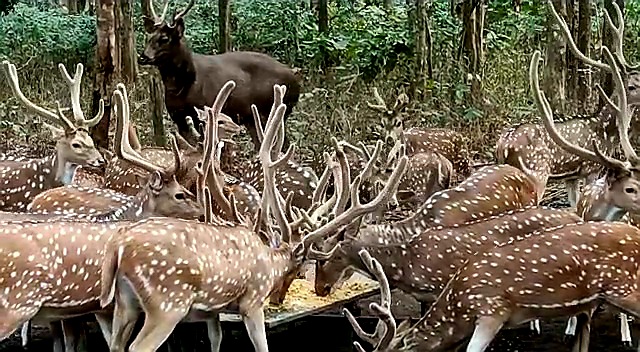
<point>301,301</point>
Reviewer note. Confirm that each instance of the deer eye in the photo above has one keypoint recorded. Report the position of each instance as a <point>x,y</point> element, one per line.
<point>76,145</point>
<point>163,39</point>
<point>179,196</point>
<point>630,190</point>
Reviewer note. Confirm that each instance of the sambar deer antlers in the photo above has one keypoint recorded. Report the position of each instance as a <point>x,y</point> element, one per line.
<point>545,156</point>
<point>557,272</point>
<point>23,178</point>
<point>249,273</point>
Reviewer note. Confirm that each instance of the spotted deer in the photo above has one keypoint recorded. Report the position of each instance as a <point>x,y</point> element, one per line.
<point>23,179</point>
<point>157,199</point>
<point>446,142</point>
<point>422,265</point>
<point>556,272</point>
<point>531,144</point>
<point>161,196</point>
<point>249,272</point>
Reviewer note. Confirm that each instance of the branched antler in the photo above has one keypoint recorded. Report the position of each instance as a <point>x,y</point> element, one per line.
<point>382,310</point>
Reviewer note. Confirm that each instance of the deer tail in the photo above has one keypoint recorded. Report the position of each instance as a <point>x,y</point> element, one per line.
<point>112,259</point>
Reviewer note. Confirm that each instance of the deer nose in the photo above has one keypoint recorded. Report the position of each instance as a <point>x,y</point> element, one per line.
<point>99,162</point>
<point>144,60</point>
<point>323,290</point>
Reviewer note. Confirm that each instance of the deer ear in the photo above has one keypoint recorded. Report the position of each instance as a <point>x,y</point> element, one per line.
<point>57,133</point>
<point>149,24</point>
<point>179,27</point>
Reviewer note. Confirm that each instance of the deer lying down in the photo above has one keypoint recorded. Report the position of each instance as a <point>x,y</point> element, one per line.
<point>557,272</point>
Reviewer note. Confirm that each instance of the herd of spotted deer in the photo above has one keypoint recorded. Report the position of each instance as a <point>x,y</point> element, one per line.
<point>169,233</point>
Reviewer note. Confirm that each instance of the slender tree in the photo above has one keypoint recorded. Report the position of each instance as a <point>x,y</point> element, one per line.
<point>224,25</point>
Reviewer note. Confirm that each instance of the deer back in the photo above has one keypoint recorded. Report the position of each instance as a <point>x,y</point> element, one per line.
<point>451,144</point>
<point>426,174</point>
<point>291,177</point>
<point>489,191</point>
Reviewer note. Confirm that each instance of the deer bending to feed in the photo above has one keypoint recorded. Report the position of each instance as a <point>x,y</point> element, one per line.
<point>528,142</point>
<point>558,272</point>
<point>162,195</point>
<point>190,79</point>
<point>422,265</point>
<point>26,178</point>
<point>249,272</point>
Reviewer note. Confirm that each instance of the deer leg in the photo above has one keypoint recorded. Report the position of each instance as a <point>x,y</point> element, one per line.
<point>214,330</point>
<point>254,322</point>
<point>571,326</point>
<point>486,330</point>
<point>583,324</point>
<point>57,334</point>
<point>125,315</point>
<point>625,332</point>
<point>156,330</point>
<point>70,334</point>
<point>104,321</point>
<point>25,333</point>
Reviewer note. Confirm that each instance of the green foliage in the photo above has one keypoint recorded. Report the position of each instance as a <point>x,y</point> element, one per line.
<point>48,35</point>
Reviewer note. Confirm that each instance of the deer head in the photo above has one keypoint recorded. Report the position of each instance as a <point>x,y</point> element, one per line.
<point>168,196</point>
<point>166,39</point>
<point>74,144</point>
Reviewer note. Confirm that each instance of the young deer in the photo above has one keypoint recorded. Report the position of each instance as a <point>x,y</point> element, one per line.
<point>557,272</point>
<point>238,269</point>
<point>26,178</point>
<point>161,196</point>
<point>532,146</point>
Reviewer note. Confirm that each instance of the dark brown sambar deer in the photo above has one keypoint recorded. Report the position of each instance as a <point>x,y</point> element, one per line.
<point>193,80</point>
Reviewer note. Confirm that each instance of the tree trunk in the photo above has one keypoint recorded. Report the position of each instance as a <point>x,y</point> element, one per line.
<point>323,27</point>
<point>126,41</point>
<point>224,25</point>
<point>583,93</point>
<point>572,64</point>
<point>106,64</point>
<point>473,13</point>
<point>517,5</point>
<point>157,108</point>
<point>388,5</point>
<point>424,46</point>
<point>607,40</point>
<point>555,72</point>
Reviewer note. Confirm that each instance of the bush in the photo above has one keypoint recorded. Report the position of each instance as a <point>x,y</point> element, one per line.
<point>48,35</point>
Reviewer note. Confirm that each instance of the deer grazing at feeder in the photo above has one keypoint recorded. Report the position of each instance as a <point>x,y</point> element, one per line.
<point>422,265</point>
<point>26,178</point>
<point>161,196</point>
<point>192,80</point>
<point>247,276</point>
<point>555,272</point>
<point>530,145</point>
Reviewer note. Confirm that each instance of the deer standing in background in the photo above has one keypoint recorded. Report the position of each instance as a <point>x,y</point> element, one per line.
<point>448,143</point>
<point>556,272</point>
<point>26,178</point>
<point>251,270</point>
<point>192,80</point>
<point>161,196</point>
<point>529,145</point>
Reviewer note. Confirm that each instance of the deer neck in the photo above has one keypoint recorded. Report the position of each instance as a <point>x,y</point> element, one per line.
<point>179,72</point>
<point>65,171</point>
